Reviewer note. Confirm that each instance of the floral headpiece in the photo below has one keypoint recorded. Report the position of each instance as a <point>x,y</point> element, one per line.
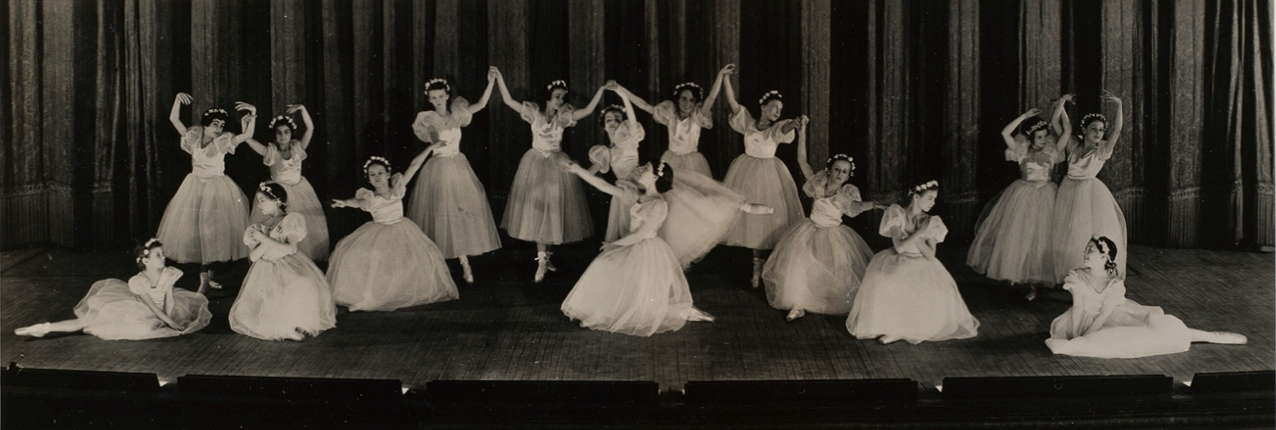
<point>678,88</point>
<point>844,157</point>
<point>1100,245</point>
<point>615,107</point>
<point>215,110</point>
<point>556,83</point>
<point>446,87</point>
<point>262,188</point>
<point>1091,116</point>
<point>375,158</point>
<point>768,95</point>
<point>146,249</point>
<point>660,171</point>
<point>926,186</point>
<point>282,118</point>
<point>1038,126</point>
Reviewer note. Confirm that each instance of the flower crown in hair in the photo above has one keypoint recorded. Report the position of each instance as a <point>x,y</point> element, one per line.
<point>146,249</point>
<point>677,89</point>
<point>1086,119</point>
<point>446,87</point>
<point>615,107</point>
<point>1038,126</point>
<point>282,118</point>
<point>1101,245</point>
<point>375,158</point>
<point>262,188</point>
<point>660,170</point>
<point>556,83</point>
<point>768,94</point>
<point>926,186</point>
<point>844,157</point>
<point>215,110</point>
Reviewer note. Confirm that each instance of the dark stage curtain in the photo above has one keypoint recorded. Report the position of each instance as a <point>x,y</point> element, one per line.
<point>913,90</point>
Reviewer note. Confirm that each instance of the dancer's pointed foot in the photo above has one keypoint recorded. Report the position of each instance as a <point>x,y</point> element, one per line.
<point>795,314</point>
<point>1228,338</point>
<point>757,271</point>
<point>549,264</point>
<point>1032,292</point>
<point>696,315</point>
<point>466,272</point>
<point>542,262</point>
<point>888,339</point>
<point>38,330</point>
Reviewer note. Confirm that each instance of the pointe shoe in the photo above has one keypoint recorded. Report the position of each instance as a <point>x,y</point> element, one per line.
<point>214,284</point>
<point>1229,338</point>
<point>756,209</point>
<point>757,272</point>
<point>795,314</point>
<point>1032,293</point>
<point>696,315</point>
<point>466,272</point>
<point>38,330</point>
<point>549,265</point>
<point>542,260</point>
<point>888,339</point>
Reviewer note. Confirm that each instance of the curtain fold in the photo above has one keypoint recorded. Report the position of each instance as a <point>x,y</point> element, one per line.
<point>912,90</point>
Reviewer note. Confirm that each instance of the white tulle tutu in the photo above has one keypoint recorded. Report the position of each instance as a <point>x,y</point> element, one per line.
<point>637,290</point>
<point>1012,235</point>
<point>546,204</point>
<point>113,312</point>
<point>450,206</point>
<point>383,267</point>
<point>701,211</point>
<point>764,181</point>
<point>692,161</point>
<point>817,269</point>
<point>204,221</point>
<point>1085,208</point>
<point>281,298</point>
<point>303,200</point>
<point>1131,330</point>
<point>910,297</point>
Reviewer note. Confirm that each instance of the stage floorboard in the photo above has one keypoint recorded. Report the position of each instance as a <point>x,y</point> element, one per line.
<point>506,328</point>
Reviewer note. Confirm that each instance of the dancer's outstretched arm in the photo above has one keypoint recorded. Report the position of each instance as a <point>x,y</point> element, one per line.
<point>588,177</point>
<point>505,92</point>
<point>487,93</point>
<point>1117,123</point>
<point>418,160</point>
<point>628,96</point>
<point>731,101</point>
<point>580,114</point>
<point>706,109</point>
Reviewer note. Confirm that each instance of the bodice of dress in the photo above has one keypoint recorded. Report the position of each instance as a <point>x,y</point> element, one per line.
<point>285,171</point>
<point>897,217</point>
<point>827,211</point>
<point>384,210</point>
<point>1086,163</point>
<point>622,156</point>
<point>652,211</point>
<point>547,133</point>
<point>1087,298</point>
<point>760,144</point>
<point>1034,165</point>
<point>139,284</point>
<point>448,128</point>
<point>684,134</point>
<point>207,161</point>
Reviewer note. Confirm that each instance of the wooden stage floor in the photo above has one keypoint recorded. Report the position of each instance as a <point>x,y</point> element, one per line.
<point>506,328</point>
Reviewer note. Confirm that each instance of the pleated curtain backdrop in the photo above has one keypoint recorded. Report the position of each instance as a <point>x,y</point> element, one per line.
<point>912,90</point>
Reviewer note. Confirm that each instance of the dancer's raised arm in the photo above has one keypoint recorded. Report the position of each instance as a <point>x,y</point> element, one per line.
<point>505,92</point>
<point>801,149</point>
<point>1008,133</point>
<point>706,108</point>
<point>175,116</point>
<point>1056,123</point>
<point>1117,123</point>
<point>628,96</point>
<point>1065,132</point>
<point>487,93</point>
<point>735,105</point>
<point>580,114</point>
<point>305,119</point>
<point>248,122</point>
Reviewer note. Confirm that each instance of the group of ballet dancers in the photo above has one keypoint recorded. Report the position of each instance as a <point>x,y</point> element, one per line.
<point>663,217</point>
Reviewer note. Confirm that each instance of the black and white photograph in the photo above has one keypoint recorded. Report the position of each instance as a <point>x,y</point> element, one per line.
<point>681,214</point>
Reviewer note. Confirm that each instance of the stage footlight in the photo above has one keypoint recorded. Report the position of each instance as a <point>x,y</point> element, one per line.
<point>1038,387</point>
<point>863,391</point>
<point>612,392</point>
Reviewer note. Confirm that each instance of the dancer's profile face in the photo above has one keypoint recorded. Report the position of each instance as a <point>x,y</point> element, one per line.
<point>267,205</point>
<point>438,98</point>
<point>612,120</point>
<point>1095,130</point>
<point>283,134</point>
<point>1092,257</point>
<point>771,110</point>
<point>840,172</point>
<point>556,98</point>
<point>645,175</point>
<point>154,259</point>
<point>1039,139</point>
<point>686,101</point>
<point>926,200</point>
<point>377,175</point>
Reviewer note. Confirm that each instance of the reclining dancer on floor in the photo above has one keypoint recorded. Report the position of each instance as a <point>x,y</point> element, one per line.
<point>145,307</point>
<point>1103,323</point>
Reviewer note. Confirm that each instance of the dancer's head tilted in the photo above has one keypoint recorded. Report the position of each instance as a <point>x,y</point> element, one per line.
<point>772,104</point>
<point>1101,254</point>
<point>922,196</point>
<point>272,199</point>
<point>377,170</point>
<point>612,117</point>
<point>555,94</point>
<point>283,128</point>
<point>839,168</point>
<point>688,96</point>
<point>1093,128</point>
<point>149,254</point>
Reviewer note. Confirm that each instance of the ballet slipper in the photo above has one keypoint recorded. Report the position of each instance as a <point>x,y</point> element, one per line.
<point>466,272</point>
<point>214,284</point>
<point>1032,292</point>
<point>542,260</point>
<point>38,330</point>
<point>795,314</point>
<point>1228,338</point>
<point>696,315</point>
<point>888,339</point>
<point>757,271</point>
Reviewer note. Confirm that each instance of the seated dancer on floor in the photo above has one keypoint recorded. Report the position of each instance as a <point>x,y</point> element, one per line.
<point>145,307</point>
<point>1103,323</point>
<point>636,285</point>
<point>818,264</point>
<point>284,295</point>
<point>907,294</point>
<point>388,263</point>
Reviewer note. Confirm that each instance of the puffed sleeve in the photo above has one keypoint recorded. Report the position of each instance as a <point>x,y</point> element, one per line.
<point>658,212</point>
<point>170,276</point>
<point>248,239</point>
<point>742,121</point>
<point>847,195</point>
<point>190,140</point>
<point>774,134</point>
<point>460,109</point>
<point>631,132</point>
<point>814,187</point>
<point>272,155</point>
<point>892,219</point>
<point>1071,281</point>
<point>293,227</point>
<point>1104,151</point>
<point>938,230</point>
<point>1114,295</point>
<point>1056,156</point>
<point>564,115</point>
<point>398,186</point>
<point>298,153</point>
<point>424,121</point>
<point>138,284</point>
<point>601,156</point>
<point>225,143</point>
<point>364,196</point>
<point>529,112</point>
<point>664,113</point>
<point>1017,153</point>
<point>704,121</point>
